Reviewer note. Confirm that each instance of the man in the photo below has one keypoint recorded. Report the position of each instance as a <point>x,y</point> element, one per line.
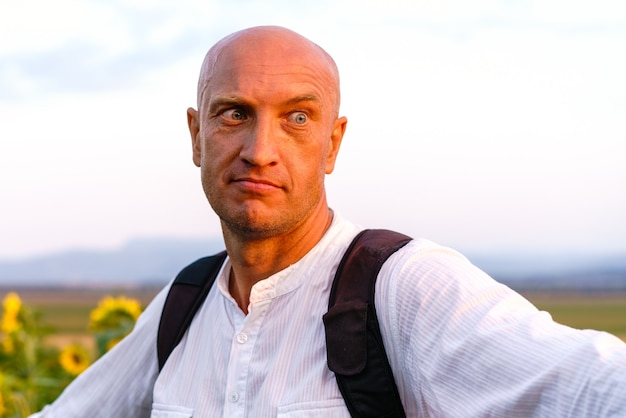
<point>265,134</point>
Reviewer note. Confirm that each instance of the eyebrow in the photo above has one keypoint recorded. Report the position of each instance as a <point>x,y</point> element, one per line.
<point>221,101</point>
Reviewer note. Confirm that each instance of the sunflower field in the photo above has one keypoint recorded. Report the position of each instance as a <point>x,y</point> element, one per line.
<point>32,373</point>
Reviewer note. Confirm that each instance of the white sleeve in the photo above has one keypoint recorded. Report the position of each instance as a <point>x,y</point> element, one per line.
<point>120,383</point>
<point>463,345</point>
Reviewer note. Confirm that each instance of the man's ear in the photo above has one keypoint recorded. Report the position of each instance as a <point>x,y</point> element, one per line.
<point>194,129</point>
<point>339,128</point>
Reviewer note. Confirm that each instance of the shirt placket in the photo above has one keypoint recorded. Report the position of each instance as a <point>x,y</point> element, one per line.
<point>246,332</point>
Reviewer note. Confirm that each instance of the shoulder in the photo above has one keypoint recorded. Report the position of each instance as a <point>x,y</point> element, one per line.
<point>426,286</point>
<point>424,263</point>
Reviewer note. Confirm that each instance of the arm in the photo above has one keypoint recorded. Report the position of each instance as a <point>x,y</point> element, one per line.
<point>469,346</point>
<point>120,383</point>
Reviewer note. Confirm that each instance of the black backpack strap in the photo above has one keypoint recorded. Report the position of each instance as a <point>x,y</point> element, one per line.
<point>187,293</point>
<point>354,343</point>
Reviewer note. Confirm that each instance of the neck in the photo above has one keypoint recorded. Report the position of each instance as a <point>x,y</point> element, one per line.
<point>253,260</point>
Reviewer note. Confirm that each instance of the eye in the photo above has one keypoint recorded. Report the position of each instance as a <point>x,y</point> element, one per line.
<point>298,118</point>
<point>234,114</point>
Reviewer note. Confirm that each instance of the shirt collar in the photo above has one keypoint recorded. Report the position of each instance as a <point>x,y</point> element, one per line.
<point>292,277</point>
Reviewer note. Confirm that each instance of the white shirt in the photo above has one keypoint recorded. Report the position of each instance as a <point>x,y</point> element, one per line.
<point>460,345</point>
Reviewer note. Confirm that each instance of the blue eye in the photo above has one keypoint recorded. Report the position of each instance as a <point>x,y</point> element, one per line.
<point>298,118</point>
<point>234,114</point>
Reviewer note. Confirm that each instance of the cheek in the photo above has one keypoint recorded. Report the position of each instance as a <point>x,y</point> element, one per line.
<point>312,167</point>
<point>215,149</point>
<point>211,164</point>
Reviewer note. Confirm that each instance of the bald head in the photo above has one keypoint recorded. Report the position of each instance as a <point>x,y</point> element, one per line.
<point>263,46</point>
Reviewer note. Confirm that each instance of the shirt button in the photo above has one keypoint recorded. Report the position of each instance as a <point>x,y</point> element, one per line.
<point>233,397</point>
<point>242,338</point>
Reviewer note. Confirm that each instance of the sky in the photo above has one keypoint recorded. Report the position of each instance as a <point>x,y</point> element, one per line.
<point>488,126</point>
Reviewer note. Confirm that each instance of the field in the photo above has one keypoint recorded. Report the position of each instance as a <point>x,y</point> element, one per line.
<point>67,310</point>
<point>602,311</point>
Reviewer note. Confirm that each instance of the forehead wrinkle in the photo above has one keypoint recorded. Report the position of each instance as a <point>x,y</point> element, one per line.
<point>325,68</point>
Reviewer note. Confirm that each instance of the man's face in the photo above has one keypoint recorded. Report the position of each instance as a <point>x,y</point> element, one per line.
<point>265,135</point>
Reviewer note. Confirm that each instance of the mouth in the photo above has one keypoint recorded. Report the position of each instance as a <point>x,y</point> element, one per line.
<point>256,185</point>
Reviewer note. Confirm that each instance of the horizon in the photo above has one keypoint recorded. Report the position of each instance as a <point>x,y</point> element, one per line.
<point>151,261</point>
<point>215,243</point>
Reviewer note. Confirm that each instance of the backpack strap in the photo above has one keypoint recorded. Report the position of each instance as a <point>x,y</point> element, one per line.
<point>187,293</point>
<point>354,343</point>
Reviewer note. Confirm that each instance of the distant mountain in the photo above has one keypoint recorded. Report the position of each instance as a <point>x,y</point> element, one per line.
<point>157,260</point>
<point>527,271</point>
<point>148,260</point>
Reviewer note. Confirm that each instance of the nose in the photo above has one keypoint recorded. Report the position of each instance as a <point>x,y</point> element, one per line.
<point>260,147</point>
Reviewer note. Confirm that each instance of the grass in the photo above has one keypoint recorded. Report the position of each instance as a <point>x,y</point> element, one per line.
<point>605,312</point>
<point>67,319</point>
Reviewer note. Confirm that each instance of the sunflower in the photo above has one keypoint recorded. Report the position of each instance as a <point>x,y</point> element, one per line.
<point>74,359</point>
<point>12,305</point>
<point>111,311</point>
<point>112,320</point>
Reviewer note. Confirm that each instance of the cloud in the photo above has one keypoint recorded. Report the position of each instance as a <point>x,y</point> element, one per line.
<point>73,46</point>
<point>85,68</point>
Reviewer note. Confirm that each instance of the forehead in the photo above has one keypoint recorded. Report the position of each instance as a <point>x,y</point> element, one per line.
<point>264,68</point>
<point>268,83</point>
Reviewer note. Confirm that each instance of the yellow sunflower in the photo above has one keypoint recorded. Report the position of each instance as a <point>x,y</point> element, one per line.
<point>112,310</point>
<point>12,304</point>
<point>74,359</point>
<point>112,320</point>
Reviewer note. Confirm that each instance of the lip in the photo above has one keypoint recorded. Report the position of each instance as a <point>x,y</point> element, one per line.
<point>256,185</point>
